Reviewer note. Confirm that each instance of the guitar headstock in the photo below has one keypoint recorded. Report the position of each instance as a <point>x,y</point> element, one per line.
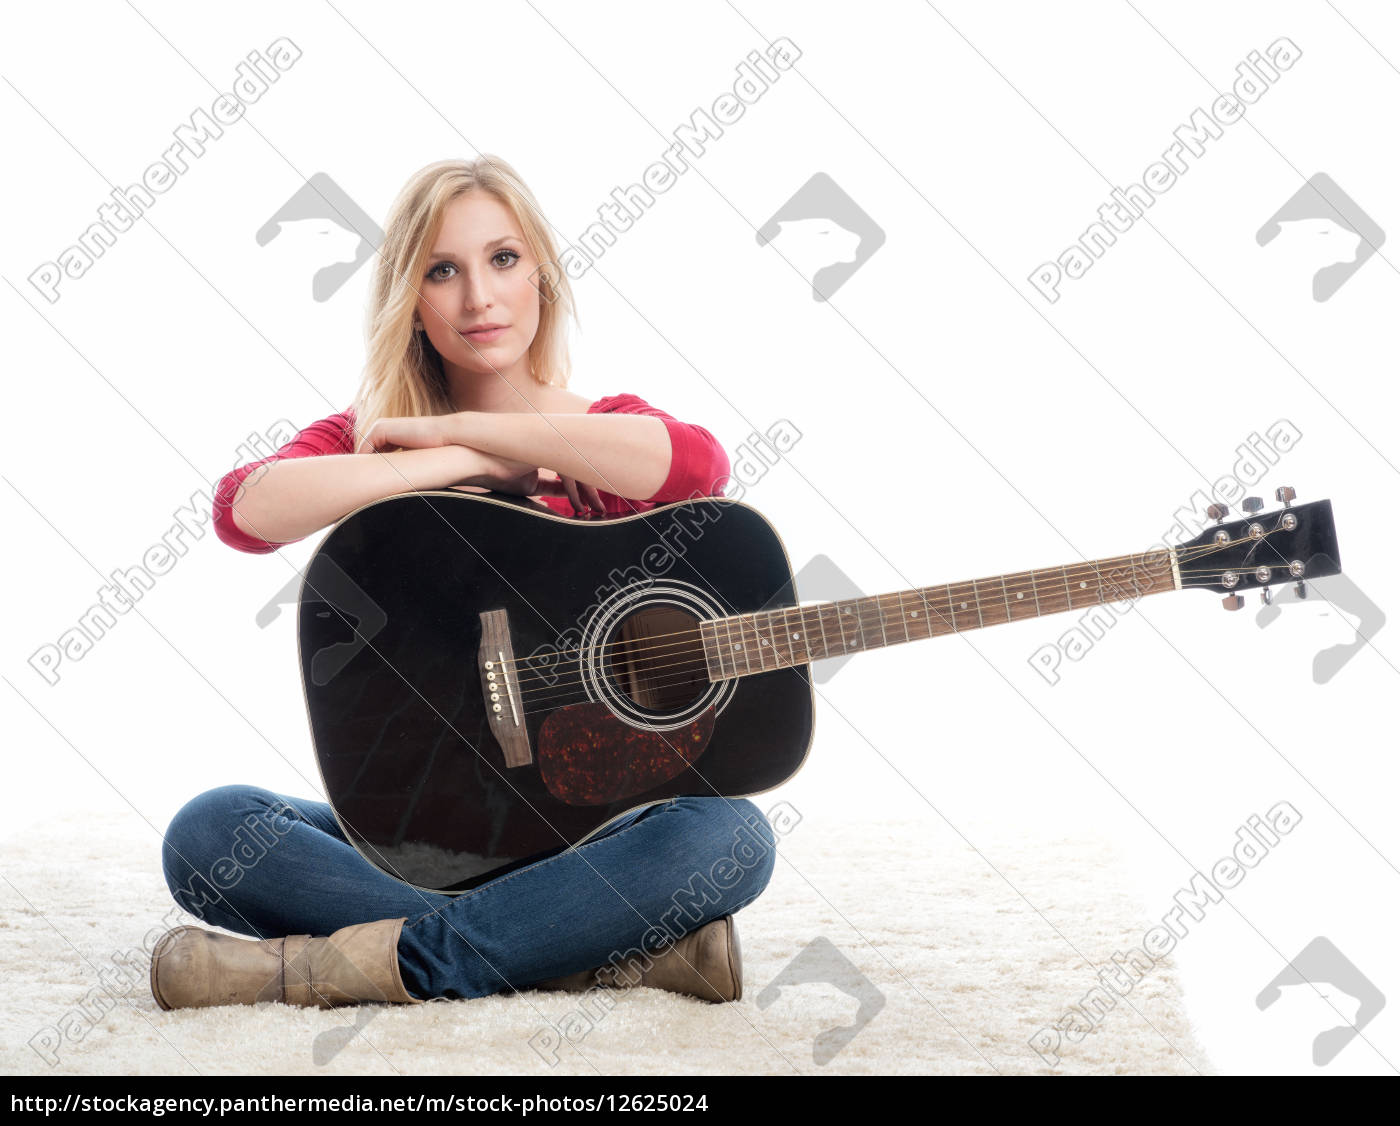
<point>1289,545</point>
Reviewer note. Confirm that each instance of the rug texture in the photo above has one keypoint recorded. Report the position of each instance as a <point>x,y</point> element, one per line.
<point>877,948</point>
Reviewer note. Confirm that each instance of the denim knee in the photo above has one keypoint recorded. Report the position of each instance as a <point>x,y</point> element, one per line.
<point>739,843</point>
<point>203,835</point>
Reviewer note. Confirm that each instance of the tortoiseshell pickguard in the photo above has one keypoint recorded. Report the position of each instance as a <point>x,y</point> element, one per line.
<point>588,756</point>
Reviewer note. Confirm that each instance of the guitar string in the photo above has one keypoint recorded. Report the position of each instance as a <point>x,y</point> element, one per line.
<point>1079,573</point>
<point>690,669</point>
<point>691,641</point>
<point>635,647</point>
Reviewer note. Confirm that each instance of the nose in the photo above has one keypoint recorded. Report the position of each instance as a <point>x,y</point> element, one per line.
<point>476,293</point>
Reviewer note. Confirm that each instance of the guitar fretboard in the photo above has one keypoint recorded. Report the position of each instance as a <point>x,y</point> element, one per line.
<point>743,644</point>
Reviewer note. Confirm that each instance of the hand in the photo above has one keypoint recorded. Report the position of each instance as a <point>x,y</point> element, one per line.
<point>581,496</point>
<point>407,433</point>
<point>506,475</point>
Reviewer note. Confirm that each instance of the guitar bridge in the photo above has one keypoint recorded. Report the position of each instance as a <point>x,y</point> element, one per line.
<point>504,703</point>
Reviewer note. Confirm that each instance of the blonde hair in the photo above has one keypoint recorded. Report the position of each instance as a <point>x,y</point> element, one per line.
<point>403,373</point>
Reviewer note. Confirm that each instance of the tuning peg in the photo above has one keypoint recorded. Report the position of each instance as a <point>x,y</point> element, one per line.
<point>1285,494</point>
<point>1252,505</point>
<point>1301,589</point>
<point>1266,596</point>
<point>1218,512</point>
<point>1232,602</point>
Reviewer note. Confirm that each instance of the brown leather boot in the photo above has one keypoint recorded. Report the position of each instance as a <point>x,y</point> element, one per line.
<point>195,968</point>
<point>705,963</point>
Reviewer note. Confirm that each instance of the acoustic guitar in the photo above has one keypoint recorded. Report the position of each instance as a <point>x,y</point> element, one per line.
<point>488,682</point>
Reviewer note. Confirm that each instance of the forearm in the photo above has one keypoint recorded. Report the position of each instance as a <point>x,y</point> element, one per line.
<point>629,455</point>
<point>289,499</point>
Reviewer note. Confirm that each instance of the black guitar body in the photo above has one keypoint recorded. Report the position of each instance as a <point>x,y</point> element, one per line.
<point>604,692</point>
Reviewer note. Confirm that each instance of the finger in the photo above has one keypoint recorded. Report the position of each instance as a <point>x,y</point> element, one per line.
<point>572,486</point>
<point>595,498</point>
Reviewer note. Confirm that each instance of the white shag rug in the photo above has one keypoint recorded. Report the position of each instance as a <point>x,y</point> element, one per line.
<point>895,947</point>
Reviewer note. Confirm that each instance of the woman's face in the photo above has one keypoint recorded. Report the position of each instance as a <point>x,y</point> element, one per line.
<point>478,273</point>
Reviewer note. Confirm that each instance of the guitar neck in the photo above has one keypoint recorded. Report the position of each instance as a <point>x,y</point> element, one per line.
<point>764,640</point>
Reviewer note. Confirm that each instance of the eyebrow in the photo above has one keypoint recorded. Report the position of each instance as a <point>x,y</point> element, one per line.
<point>488,246</point>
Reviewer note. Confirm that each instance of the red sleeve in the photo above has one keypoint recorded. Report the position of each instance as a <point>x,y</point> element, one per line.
<point>334,435</point>
<point>699,465</point>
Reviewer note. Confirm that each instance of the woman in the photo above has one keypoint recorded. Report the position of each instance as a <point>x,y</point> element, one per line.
<point>465,386</point>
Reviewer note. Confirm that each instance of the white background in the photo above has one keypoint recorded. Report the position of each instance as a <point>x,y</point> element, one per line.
<point>954,424</point>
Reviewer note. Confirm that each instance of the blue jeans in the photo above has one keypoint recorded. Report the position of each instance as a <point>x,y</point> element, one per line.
<point>261,864</point>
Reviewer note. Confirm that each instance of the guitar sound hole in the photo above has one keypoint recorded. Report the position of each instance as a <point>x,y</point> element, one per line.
<point>656,659</point>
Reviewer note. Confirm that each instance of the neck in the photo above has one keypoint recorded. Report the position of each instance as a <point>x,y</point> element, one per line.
<point>772,639</point>
<point>513,389</point>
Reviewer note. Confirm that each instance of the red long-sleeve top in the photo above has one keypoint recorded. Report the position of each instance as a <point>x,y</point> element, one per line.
<point>699,466</point>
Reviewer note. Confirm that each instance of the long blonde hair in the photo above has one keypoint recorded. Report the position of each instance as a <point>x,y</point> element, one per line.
<point>403,373</point>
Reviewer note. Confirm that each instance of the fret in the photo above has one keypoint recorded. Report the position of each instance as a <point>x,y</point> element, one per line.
<point>1115,583</point>
<point>1164,569</point>
<point>989,608</point>
<point>962,606</point>
<point>880,611</point>
<point>1069,598</point>
<point>845,618</point>
<point>952,609</point>
<point>977,601</point>
<point>931,612</point>
<point>793,638</point>
<point>1018,597</point>
<point>860,623</point>
<point>1099,575</point>
<point>806,624</point>
<point>755,646</point>
<point>1006,598</point>
<point>952,614</point>
<point>746,649</point>
<point>768,644</point>
<point>718,651</point>
<point>822,611</point>
<point>1087,596</point>
<point>1035,595</point>
<point>932,617</point>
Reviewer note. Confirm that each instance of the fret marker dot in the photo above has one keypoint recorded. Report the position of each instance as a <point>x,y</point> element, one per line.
<point>761,641</point>
<point>1019,594</point>
<point>738,646</point>
<point>964,605</point>
<point>1083,585</point>
<point>797,637</point>
<point>913,613</point>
